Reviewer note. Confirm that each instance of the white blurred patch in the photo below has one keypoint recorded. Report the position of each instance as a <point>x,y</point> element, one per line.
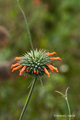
<point>64,68</point>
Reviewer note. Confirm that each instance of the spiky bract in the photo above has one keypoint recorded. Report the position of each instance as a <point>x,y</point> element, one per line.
<point>35,61</point>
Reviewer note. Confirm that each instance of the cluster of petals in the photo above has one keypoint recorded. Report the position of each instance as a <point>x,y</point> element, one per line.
<point>22,68</point>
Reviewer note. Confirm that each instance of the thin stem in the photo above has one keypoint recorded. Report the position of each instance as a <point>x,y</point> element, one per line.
<point>68,108</point>
<point>65,96</point>
<point>30,39</point>
<point>28,99</point>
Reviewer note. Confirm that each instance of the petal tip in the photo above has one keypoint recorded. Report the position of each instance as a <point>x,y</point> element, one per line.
<point>20,74</point>
<point>59,58</point>
<point>12,70</point>
<point>48,76</point>
<point>54,53</point>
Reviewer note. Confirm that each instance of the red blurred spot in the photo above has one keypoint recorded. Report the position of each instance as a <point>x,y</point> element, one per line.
<point>37,2</point>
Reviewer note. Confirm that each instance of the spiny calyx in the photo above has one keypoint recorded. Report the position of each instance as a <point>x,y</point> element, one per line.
<point>35,63</point>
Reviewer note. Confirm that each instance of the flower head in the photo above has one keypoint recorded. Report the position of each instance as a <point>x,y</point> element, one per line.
<point>36,64</point>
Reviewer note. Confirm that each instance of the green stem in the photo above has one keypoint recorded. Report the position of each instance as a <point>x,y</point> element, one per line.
<point>68,108</point>
<point>28,99</point>
<point>65,96</point>
<point>26,26</point>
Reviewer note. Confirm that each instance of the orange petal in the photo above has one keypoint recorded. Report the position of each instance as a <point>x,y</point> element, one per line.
<point>46,53</point>
<point>50,54</point>
<point>46,71</point>
<point>17,68</point>
<point>50,67</point>
<point>27,70</point>
<point>54,68</point>
<point>55,58</point>
<point>14,65</point>
<point>22,70</point>
<point>17,58</point>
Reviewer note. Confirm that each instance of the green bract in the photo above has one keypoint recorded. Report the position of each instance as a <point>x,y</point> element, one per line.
<point>35,61</point>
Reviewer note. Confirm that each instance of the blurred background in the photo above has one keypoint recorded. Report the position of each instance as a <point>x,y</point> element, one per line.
<point>54,26</point>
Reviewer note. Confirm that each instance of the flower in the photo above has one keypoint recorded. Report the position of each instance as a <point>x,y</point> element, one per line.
<point>37,2</point>
<point>35,63</point>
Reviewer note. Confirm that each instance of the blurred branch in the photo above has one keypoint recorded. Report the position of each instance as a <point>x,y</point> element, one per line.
<point>4,37</point>
<point>5,71</point>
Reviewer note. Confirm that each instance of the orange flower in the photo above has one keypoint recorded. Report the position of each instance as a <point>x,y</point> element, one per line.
<point>22,70</point>
<point>50,54</point>
<point>55,58</point>
<point>35,65</point>
<point>12,66</point>
<point>51,66</point>
<point>17,58</point>
<point>17,68</point>
<point>46,71</point>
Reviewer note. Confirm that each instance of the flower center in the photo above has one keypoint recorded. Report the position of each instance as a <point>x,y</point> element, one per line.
<point>36,62</point>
